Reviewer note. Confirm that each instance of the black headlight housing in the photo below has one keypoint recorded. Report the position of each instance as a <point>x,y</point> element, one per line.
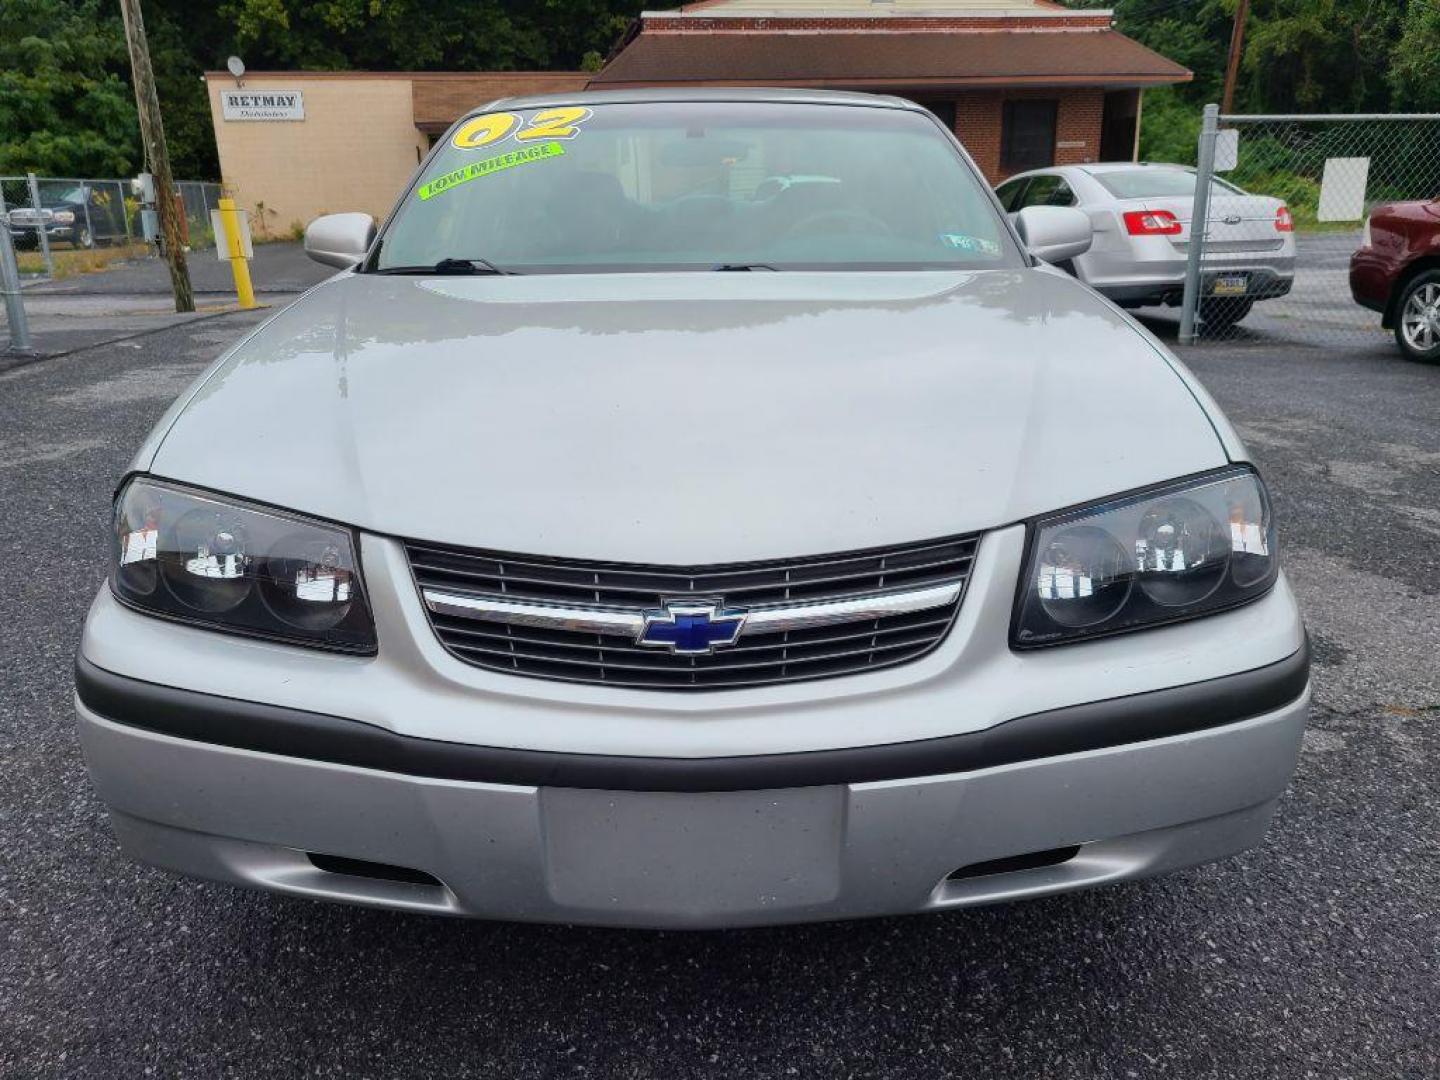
<point>230,565</point>
<point>1169,553</point>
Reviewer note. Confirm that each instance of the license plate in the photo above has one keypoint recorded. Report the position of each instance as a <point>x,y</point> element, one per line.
<point>1230,285</point>
<point>701,852</point>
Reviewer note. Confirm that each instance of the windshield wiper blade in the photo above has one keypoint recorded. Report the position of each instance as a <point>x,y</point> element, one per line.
<point>451,266</point>
<point>733,267</point>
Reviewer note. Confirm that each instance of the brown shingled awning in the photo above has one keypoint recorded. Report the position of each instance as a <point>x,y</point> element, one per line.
<point>889,59</point>
<point>441,97</point>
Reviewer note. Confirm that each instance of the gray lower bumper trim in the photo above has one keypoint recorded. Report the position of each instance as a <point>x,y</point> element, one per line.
<point>272,729</point>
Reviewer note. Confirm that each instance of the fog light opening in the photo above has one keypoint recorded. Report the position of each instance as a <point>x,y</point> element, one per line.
<point>338,864</point>
<point>1032,860</point>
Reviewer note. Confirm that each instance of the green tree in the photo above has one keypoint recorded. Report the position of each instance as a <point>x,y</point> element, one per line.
<point>1415,70</point>
<point>502,35</point>
<point>65,109</point>
<point>186,40</point>
<point>1319,55</point>
<point>1300,56</point>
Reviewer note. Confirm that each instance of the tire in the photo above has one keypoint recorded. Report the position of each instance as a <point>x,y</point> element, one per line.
<point>1223,314</point>
<point>85,239</point>
<point>1417,318</point>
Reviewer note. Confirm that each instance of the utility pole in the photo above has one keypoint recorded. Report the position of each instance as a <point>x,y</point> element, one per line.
<point>1232,62</point>
<point>152,133</point>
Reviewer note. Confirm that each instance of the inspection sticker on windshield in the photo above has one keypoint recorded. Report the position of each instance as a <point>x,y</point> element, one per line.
<point>489,165</point>
<point>970,243</point>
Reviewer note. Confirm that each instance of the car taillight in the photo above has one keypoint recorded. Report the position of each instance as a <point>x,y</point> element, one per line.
<point>1283,221</point>
<point>1151,223</point>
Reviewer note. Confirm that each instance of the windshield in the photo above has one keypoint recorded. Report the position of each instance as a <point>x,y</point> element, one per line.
<point>1156,183</point>
<point>698,186</point>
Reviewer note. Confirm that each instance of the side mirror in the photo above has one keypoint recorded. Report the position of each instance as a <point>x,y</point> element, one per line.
<point>1054,233</point>
<point>339,239</point>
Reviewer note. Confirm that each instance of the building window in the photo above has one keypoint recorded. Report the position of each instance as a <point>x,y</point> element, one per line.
<point>1027,135</point>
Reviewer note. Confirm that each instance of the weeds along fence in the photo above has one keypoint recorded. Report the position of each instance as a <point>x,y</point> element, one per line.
<point>51,215</point>
<point>1257,270</point>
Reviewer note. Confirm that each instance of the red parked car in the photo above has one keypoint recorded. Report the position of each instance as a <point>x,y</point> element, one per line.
<point>1397,273</point>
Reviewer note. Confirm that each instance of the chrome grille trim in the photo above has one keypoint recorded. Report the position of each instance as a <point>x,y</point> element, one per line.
<point>805,618</point>
<point>592,620</point>
<point>622,623</point>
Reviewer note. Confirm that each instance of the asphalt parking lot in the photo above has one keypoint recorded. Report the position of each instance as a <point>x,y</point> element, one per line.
<point>1318,310</point>
<point>1316,955</point>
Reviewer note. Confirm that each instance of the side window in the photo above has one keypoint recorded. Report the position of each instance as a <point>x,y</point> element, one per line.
<point>1027,135</point>
<point>1048,190</point>
<point>1010,193</point>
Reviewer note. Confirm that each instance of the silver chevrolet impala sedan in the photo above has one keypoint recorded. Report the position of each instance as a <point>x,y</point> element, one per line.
<point>693,509</point>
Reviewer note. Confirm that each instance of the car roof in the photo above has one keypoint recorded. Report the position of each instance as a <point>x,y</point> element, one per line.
<point>673,94</point>
<point>1095,168</point>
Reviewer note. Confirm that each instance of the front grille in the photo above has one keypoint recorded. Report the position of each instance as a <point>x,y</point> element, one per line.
<point>757,659</point>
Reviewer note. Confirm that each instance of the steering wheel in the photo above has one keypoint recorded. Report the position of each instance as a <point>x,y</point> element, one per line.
<point>866,222</point>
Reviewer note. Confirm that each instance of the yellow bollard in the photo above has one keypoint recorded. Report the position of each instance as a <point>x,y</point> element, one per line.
<point>230,218</point>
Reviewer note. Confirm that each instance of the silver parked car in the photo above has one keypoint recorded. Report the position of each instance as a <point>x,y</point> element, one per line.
<point>1141,214</point>
<point>693,509</point>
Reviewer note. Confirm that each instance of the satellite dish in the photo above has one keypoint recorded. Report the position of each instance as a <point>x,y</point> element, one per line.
<point>236,66</point>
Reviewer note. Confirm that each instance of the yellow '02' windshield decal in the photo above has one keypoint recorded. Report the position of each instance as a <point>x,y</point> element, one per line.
<point>547,125</point>
<point>487,166</point>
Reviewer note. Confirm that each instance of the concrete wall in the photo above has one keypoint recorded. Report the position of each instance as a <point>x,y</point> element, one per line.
<point>355,150</point>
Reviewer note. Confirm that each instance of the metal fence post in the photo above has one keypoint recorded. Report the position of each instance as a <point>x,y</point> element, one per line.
<point>1199,221</point>
<point>85,191</point>
<point>40,224</point>
<point>124,212</point>
<point>10,287</point>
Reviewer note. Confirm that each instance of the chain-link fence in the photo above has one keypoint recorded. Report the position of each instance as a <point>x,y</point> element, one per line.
<point>1287,210</point>
<point>48,216</point>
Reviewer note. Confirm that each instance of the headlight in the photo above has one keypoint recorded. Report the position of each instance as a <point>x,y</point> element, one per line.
<point>224,564</point>
<point>1171,553</point>
<point>65,217</point>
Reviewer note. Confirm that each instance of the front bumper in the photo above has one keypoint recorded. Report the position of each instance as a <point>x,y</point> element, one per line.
<point>699,858</point>
<point>28,235</point>
<point>522,799</point>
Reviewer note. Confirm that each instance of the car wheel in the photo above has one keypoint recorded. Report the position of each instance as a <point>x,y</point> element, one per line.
<point>1223,314</point>
<point>1417,324</point>
<point>85,240</point>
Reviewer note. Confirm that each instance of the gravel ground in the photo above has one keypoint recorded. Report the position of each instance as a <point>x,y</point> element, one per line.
<point>1316,955</point>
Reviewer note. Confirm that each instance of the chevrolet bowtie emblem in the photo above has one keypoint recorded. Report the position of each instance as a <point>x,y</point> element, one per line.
<point>692,628</point>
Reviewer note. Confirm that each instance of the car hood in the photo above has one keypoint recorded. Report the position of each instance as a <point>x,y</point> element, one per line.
<point>688,418</point>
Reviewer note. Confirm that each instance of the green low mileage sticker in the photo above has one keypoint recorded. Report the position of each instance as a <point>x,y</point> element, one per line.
<point>489,165</point>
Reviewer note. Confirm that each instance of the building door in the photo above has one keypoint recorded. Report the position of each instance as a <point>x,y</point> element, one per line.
<point>1117,125</point>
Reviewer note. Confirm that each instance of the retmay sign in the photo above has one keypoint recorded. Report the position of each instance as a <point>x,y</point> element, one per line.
<point>262,104</point>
